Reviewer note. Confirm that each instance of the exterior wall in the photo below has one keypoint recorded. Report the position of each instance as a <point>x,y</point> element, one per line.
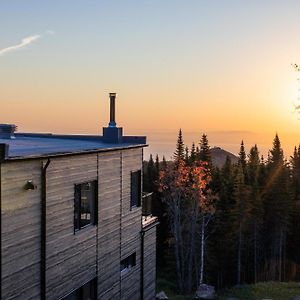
<point>131,226</point>
<point>70,258</point>
<point>109,221</point>
<point>20,224</point>
<point>150,263</point>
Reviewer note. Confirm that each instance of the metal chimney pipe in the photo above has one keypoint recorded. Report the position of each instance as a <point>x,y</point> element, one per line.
<point>112,121</point>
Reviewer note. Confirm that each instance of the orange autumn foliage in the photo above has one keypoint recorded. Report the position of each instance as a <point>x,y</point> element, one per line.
<point>187,182</point>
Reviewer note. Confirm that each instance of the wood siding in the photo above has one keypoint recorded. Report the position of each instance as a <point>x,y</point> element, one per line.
<point>21,219</point>
<point>131,226</point>
<point>150,263</point>
<point>70,257</point>
<point>109,235</point>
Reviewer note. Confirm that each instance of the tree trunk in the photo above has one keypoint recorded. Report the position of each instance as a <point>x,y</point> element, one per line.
<point>280,256</point>
<point>202,249</point>
<point>239,256</point>
<point>255,252</point>
<point>192,248</point>
<point>177,236</point>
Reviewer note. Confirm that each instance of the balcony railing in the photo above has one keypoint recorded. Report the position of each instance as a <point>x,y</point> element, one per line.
<point>147,204</point>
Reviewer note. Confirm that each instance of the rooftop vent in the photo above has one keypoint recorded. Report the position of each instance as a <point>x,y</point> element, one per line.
<point>7,131</point>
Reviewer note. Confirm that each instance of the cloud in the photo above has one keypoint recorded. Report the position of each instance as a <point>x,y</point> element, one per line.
<point>24,42</point>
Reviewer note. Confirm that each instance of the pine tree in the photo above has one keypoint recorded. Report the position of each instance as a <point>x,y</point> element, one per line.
<point>253,165</point>
<point>205,153</point>
<point>186,155</point>
<point>164,163</point>
<point>256,211</point>
<point>277,210</point>
<point>157,167</point>
<point>276,154</point>
<point>242,158</point>
<point>179,153</point>
<point>197,153</point>
<point>293,238</point>
<point>193,154</point>
<point>240,208</point>
<point>148,187</point>
<point>222,246</point>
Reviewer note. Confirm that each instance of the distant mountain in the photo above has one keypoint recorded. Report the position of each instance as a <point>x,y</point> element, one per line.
<point>218,156</point>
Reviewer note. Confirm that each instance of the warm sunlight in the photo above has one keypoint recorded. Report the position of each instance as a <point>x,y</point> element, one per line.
<point>150,150</point>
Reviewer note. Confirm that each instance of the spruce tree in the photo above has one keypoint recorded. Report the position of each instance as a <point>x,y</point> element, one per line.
<point>293,239</point>
<point>242,158</point>
<point>186,155</point>
<point>222,246</point>
<point>205,153</point>
<point>277,209</point>
<point>150,175</point>
<point>240,213</point>
<point>164,163</point>
<point>276,154</point>
<point>193,154</point>
<point>157,167</point>
<point>179,153</point>
<point>256,214</point>
<point>253,165</point>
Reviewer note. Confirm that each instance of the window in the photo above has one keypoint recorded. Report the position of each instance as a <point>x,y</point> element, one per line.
<point>136,189</point>
<point>85,205</point>
<point>128,263</point>
<point>86,292</point>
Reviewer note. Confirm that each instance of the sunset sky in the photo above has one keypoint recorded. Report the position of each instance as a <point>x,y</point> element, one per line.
<point>221,67</point>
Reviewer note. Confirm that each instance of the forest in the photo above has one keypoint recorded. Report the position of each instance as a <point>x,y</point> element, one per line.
<point>227,225</point>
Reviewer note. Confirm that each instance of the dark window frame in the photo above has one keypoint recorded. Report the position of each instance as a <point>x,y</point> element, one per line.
<point>135,188</point>
<point>78,205</point>
<point>78,293</point>
<point>128,263</point>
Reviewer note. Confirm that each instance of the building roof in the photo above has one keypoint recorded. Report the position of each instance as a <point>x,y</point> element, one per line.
<point>30,145</point>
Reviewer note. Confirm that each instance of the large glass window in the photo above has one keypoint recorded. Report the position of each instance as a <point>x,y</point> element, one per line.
<point>85,204</point>
<point>85,292</point>
<point>136,188</point>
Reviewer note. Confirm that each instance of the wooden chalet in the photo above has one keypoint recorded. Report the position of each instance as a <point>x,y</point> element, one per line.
<point>72,226</point>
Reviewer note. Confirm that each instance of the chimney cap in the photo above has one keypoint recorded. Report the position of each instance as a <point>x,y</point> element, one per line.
<point>112,94</point>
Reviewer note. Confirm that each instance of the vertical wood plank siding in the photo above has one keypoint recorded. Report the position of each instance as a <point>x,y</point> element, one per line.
<point>150,263</point>
<point>73,258</point>
<point>131,226</point>
<point>109,225</point>
<point>70,258</point>
<point>20,217</point>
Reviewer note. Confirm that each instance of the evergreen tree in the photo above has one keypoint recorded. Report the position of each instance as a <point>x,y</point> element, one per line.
<point>256,214</point>
<point>222,245</point>
<point>253,166</point>
<point>293,238</point>
<point>193,154</point>
<point>150,175</point>
<point>197,153</point>
<point>164,163</point>
<point>242,158</point>
<point>157,167</point>
<point>276,154</point>
<point>240,212</point>
<point>277,209</point>
<point>179,153</point>
<point>186,155</point>
<point>205,153</point>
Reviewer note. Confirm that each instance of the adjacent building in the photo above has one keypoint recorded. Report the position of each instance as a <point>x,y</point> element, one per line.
<point>71,216</point>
